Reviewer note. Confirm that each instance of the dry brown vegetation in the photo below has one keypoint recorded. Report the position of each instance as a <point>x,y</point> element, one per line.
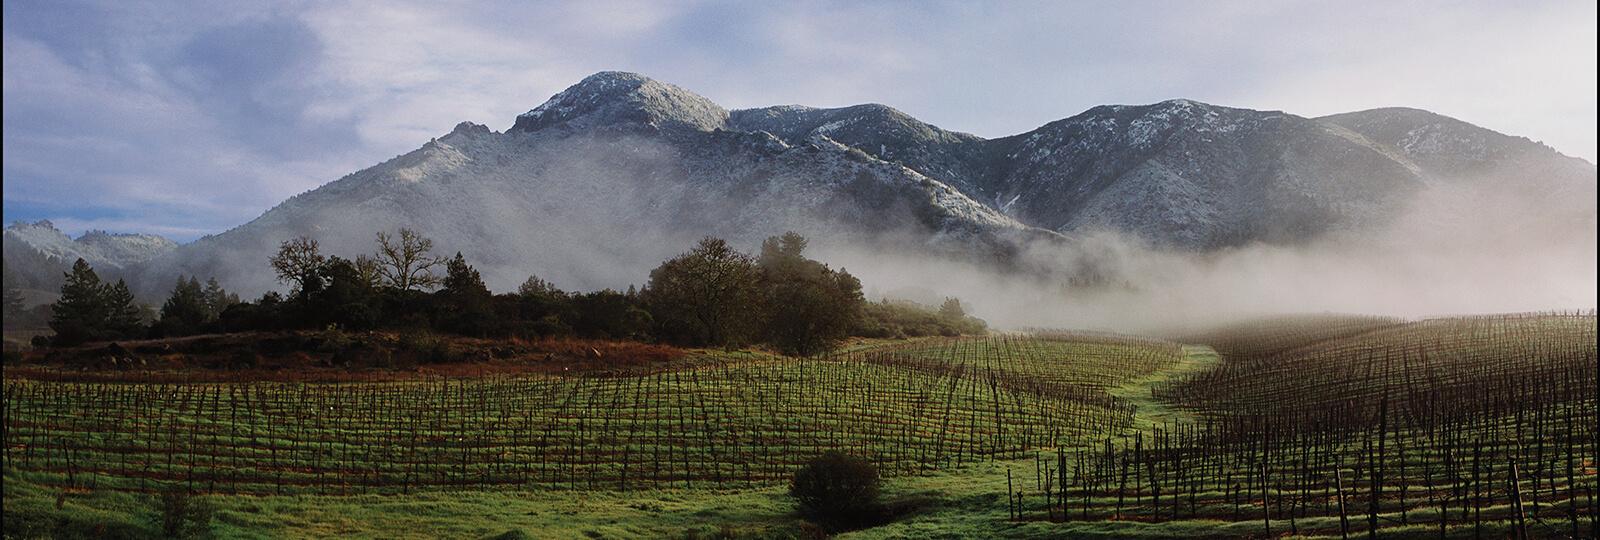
<point>333,356</point>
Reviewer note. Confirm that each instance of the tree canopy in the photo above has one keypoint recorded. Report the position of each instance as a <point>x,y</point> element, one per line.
<point>712,295</point>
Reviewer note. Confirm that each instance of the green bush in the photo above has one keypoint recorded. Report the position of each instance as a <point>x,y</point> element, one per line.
<point>896,319</point>
<point>180,514</point>
<point>838,490</point>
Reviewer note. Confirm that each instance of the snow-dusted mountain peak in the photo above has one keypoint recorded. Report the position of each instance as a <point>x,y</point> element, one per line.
<point>616,97</point>
<point>619,171</point>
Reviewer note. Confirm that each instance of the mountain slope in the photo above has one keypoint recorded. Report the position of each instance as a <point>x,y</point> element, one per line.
<point>1191,175</point>
<point>605,179</point>
<point>956,159</point>
<point>36,254</point>
<point>601,183</point>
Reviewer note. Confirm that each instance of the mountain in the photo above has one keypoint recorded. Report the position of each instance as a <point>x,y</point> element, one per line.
<point>1191,175</point>
<point>36,254</point>
<point>601,183</point>
<point>608,177</point>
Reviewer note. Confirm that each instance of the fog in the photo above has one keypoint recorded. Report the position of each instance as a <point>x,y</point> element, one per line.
<point>588,214</point>
<point>1459,248</point>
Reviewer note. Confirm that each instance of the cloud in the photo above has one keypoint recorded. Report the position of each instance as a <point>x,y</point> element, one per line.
<point>200,117</point>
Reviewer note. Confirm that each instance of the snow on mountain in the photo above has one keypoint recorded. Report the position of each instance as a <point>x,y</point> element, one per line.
<point>600,184</point>
<point>608,177</point>
<point>99,248</point>
<point>614,97</point>
<point>883,132</point>
<point>37,253</point>
<point>1197,176</point>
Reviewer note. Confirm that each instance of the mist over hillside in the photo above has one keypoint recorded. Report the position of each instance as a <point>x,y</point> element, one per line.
<point>1118,217</point>
<point>36,254</point>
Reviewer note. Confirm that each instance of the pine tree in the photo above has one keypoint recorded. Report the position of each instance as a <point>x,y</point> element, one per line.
<point>124,316</point>
<point>809,307</point>
<point>534,287</point>
<point>461,279</point>
<point>185,311</point>
<point>80,315</point>
<point>466,300</point>
<point>217,299</point>
<point>952,310</point>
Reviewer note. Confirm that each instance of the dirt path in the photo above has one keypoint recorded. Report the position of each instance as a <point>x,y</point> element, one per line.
<point>1150,411</point>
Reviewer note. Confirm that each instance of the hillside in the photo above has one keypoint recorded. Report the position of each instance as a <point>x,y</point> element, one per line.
<point>610,176</point>
<point>37,253</point>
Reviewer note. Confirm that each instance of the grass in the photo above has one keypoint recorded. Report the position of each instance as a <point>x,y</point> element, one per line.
<point>1153,412</point>
<point>702,449</point>
<point>965,502</point>
<point>738,419</point>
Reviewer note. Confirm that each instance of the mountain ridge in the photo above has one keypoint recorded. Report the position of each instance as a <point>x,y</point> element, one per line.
<point>37,253</point>
<point>612,170</point>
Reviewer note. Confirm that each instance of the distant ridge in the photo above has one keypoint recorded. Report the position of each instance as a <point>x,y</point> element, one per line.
<point>607,177</point>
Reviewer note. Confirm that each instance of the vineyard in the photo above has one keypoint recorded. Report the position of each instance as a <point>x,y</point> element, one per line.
<point>1317,426</point>
<point>1340,427</point>
<point>719,424</point>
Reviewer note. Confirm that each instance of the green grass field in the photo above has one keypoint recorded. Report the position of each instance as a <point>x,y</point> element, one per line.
<point>705,450</point>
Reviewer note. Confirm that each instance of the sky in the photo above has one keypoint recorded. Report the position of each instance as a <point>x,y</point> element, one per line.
<point>186,119</point>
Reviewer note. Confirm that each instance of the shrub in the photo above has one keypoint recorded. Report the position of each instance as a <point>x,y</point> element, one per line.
<point>903,318</point>
<point>182,515</point>
<point>837,490</point>
<point>428,348</point>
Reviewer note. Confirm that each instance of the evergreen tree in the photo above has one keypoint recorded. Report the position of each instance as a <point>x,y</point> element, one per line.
<point>186,310</point>
<point>542,309</point>
<point>465,299</point>
<point>810,307</point>
<point>124,316</point>
<point>217,299</point>
<point>951,309</point>
<point>80,315</point>
<point>462,280</point>
<point>534,287</point>
<point>345,297</point>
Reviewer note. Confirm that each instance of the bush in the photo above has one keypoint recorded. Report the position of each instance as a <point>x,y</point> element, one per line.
<point>894,319</point>
<point>182,515</point>
<point>428,348</point>
<point>837,490</point>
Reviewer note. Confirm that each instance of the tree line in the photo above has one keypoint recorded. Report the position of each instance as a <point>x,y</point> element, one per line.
<point>710,296</point>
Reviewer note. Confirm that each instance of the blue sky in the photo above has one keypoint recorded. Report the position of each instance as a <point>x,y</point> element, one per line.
<point>186,119</point>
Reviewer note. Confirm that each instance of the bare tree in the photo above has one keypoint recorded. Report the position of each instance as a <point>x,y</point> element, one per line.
<point>407,265</point>
<point>297,260</point>
<point>370,272</point>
